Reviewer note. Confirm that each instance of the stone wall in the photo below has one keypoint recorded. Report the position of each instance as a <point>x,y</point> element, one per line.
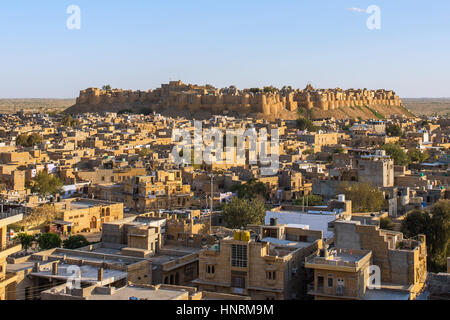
<point>193,98</point>
<point>330,99</point>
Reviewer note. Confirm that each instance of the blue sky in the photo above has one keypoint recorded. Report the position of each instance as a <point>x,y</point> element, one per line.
<point>140,44</point>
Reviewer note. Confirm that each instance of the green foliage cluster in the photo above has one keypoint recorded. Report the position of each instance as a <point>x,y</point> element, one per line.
<point>386,223</point>
<point>241,212</point>
<point>46,184</point>
<point>403,158</point>
<point>435,224</point>
<point>49,241</point>
<point>26,240</point>
<point>306,124</point>
<point>364,197</point>
<point>68,121</point>
<point>310,200</point>
<point>417,156</point>
<point>394,131</point>
<point>397,154</point>
<point>252,189</point>
<point>28,141</point>
<point>75,242</point>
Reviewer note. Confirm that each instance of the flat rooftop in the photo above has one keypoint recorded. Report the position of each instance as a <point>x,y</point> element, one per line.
<point>384,294</point>
<point>168,253</point>
<point>287,243</point>
<point>340,258</point>
<point>93,256</point>
<point>140,293</point>
<point>76,205</point>
<point>89,274</point>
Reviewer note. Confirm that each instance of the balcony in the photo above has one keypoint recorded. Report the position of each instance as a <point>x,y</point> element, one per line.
<point>8,279</point>
<point>335,292</point>
<point>10,248</point>
<point>7,218</point>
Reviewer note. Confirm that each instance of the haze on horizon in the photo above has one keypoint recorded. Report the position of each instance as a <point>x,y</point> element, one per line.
<point>139,45</point>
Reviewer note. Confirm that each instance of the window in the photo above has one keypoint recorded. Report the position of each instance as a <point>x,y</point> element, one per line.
<point>239,256</point>
<point>320,282</point>
<point>210,269</point>
<point>330,281</point>
<point>271,275</point>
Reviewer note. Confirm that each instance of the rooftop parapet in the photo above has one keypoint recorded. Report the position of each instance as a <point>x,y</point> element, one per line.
<point>339,259</point>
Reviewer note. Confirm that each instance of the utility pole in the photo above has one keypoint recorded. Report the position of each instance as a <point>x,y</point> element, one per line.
<point>303,203</point>
<point>211,175</point>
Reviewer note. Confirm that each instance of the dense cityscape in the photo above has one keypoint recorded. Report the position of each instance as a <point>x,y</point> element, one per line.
<point>210,159</point>
<point>117,206</point>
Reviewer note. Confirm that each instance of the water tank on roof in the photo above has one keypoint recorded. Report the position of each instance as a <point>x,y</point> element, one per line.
<point>242,235</point>
<point>341,198</point>
<point>245,236</point>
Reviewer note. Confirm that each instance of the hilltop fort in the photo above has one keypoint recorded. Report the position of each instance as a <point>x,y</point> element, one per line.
<point>177,98</point>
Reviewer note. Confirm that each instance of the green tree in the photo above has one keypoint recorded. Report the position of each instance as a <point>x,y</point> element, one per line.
<point>75,242</point>
<point>68,121</point>
<point>394,131</point>
<point>364,197</point>
<point>386,224</point>
<point>22,140</point>
<point>417,156</point>
<point>435,224</point>
<point>397,154</point>
<point>46,184</point>
<point>28,141</point>
<point>310,200</point>
<point>34,139</point>
<point>251,189</point>
<point>49,241</point>
<point>417,222</point>
<point>26,240</point>
<point>306,124</point>
<point>241,212</point>
<point>439,237</point>
<point>106,87</point>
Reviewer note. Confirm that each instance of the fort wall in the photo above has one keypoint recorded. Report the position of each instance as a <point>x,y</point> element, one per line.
<point>217,101</point>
